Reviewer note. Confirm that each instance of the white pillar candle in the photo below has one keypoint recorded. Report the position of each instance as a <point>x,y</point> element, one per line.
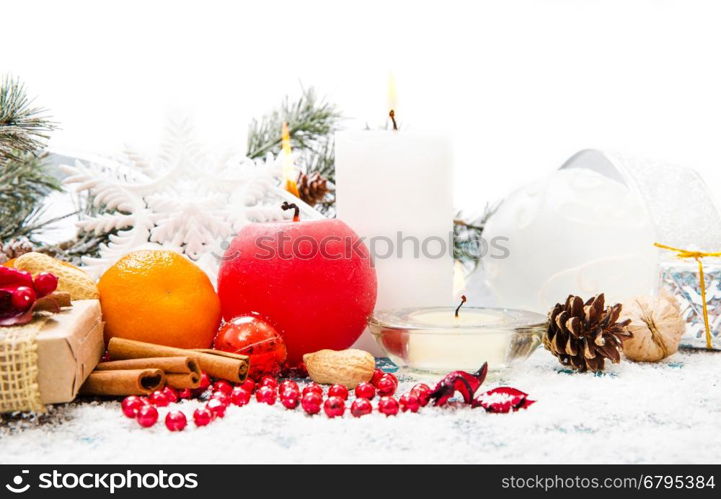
<point>394,188</point>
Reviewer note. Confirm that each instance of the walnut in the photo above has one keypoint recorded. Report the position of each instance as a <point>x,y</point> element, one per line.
<point>657,327</point>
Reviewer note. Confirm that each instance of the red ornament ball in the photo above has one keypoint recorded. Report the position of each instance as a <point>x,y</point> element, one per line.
<point>265,395</point>
<point>334,407</point>
<point>290,399</point>
<point>338,391</point>
<point>171,394</point>
<point>287,385</point>
<point>216,407</point>
<point>377,374</point>
<point>423,392</point>
<point>159,398</point>
<point>131,404</point>
<point>365,391</point>
<point>185,393</point>
<point>45,283</point>
<point>311,402</point>
<point>252,336</point>
<point>314,279</point>
<point>248,385</point>
<point>361,407</point>
<point>239,396</point>
<point>222,386</point>
<point>386,386</point>
<point>203,416</point>
<point>388,406</point>
<point>175,421</point>
<point>147,416</point>
<point>409,402</point>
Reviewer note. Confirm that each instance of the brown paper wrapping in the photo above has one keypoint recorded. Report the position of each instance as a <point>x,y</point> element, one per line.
<point>123,382</point>
<point>63,349</point>
<point>69,347</point>
<point>217,364</point>
<point>180,372</point>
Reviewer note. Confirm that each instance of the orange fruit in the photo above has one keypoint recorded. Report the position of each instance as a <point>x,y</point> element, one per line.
<point>160,297</point>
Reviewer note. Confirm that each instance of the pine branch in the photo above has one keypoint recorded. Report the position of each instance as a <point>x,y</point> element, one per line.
<point>467,234</point>
<point>310,122</point>
<point>24,128</point>
<point>24,183</point>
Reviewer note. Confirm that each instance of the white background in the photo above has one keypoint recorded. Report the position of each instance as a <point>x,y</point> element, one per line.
<point>518,85</point>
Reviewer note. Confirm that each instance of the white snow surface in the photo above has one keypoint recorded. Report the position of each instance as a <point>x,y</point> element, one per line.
<point>667,412</point>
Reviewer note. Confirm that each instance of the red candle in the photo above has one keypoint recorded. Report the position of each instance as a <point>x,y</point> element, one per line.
<point>312,280</point>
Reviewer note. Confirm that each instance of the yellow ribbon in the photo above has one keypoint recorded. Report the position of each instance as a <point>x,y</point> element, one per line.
<point>697,255</point>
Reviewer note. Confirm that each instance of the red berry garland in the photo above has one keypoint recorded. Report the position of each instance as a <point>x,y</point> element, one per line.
<point>221,394</point>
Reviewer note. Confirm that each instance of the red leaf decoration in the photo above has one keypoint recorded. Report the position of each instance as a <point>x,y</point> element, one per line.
<point>459,381</point>
<point>503,399</point>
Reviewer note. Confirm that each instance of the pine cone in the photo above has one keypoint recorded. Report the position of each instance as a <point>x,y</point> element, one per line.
<point>582,335</point>
<point>14,248</point>
<point>312,188</point>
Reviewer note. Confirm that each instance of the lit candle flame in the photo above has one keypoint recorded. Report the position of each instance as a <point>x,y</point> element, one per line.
<point>392,100</point>
<point>290,174</point>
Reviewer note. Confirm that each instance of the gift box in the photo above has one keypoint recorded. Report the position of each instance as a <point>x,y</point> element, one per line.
<point>47,360</point>
<point>683,281</point>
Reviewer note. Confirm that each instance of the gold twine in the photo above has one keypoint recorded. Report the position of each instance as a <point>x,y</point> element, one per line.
<point>697,255</point>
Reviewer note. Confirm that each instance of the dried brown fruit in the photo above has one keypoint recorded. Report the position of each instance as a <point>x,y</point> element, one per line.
<point>71,279</point>
<point>344,367</point>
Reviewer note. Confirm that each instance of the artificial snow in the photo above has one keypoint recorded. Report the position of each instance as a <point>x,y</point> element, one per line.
<point>667,412</point>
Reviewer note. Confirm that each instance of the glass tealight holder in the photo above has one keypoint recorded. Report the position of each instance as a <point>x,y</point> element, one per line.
<point>434,340</point>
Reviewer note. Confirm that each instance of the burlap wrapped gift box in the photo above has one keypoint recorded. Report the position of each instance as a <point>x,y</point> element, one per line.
<point>47,360</point>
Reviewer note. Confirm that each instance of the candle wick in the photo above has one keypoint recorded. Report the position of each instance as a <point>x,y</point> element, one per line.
<point>463,300</point>
<point>392,115</point>
<point>288,206</point>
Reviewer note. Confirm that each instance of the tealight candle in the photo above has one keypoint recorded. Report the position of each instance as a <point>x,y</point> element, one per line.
<point>436,339</point>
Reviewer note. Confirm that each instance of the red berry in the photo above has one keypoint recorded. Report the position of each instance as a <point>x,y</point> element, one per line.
<point>385,385</point>
<point>203,416</point>
<point>311,402</point>
<point>175,421</point>
<point>377,376</point>
<point>171,394</point>
<point>313,388</point>
<point>22,297</point>
<point>365,391</point>
<point>185,393</point>
<point>221,397</point>
<point>216,407</point>
<point>423,392</point>
<point>266,395</point>
<point>338,391</point>
<point>222,386</point>
<point>248,385</point>
<point>239,396</point>
<point>291,400</point>
<point>45,283</point>
<point>334,406</point>
<point>158,398</point>
<point>268,380</point>
<point>393,378</point>
<point>361,407</point>
<point>147,416</point>
<point>289,385</point>
<point>409,402</point>
<point>388,406</point>
<point>131,404</point>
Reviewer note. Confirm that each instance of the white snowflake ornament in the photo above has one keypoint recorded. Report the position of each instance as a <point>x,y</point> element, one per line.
<point>186,200</point>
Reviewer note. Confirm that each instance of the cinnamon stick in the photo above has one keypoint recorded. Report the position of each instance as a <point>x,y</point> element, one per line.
<point>123,382</point>
<point>180,372</point>
<point>218,364</point>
